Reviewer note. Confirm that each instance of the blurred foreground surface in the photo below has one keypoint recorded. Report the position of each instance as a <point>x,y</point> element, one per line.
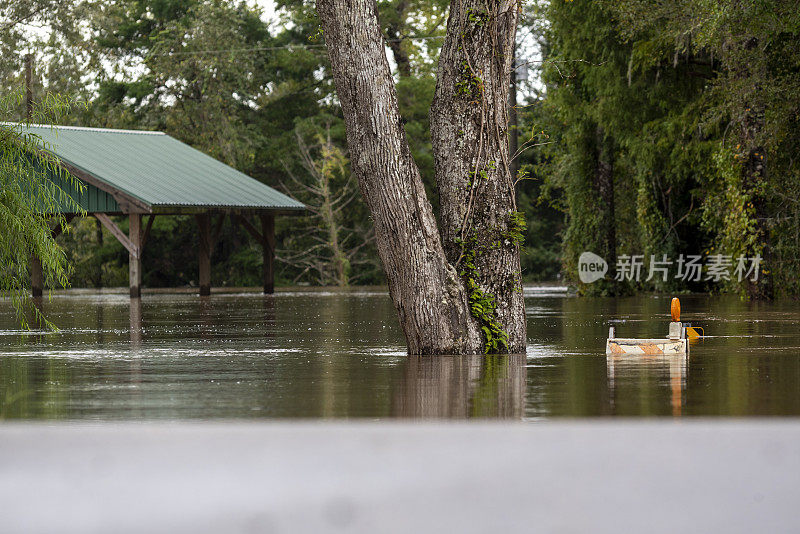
<point>340,354</point>
<point>590,476</point>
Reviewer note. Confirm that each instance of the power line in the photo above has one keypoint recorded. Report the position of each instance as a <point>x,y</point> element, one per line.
<point>283,47</point>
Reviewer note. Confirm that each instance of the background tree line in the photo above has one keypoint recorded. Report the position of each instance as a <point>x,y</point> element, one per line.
<point>650,129</point>
<point>675,129</point>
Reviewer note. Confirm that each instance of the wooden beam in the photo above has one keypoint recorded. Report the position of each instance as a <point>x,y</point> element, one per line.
<point>56,231</point>
<point>135,257</point>
<point>129,244</point>
<point>146,233</point>
<point>250,228</point>
<point>268,244</point>
<point>204,253</point>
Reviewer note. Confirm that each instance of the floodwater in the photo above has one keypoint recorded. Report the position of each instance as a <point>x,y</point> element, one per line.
<point>340,354</point>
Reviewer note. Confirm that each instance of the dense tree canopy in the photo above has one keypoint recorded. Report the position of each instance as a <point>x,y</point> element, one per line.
<point>660,129</point>
<point>675,125</point>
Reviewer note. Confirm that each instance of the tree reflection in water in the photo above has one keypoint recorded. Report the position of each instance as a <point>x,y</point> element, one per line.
<point>461,387</point>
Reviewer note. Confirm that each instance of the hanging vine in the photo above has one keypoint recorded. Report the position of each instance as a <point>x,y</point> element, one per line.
<point>479,28</point>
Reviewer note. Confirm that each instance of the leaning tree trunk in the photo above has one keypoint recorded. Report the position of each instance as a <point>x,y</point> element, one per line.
<point>459,292</point>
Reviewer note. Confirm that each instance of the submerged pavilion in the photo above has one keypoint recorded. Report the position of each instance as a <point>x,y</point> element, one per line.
<point>144,174</point>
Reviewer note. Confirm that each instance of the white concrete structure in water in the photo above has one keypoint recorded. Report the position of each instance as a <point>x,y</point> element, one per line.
<point>676,341</point>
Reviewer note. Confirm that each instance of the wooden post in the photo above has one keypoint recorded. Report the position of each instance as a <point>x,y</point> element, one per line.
<point>37,277</point>
<point>28,89</point>
<point>135,255</point>
<point>204,253</point>
<point>268,244</point>
<point>37,274</point>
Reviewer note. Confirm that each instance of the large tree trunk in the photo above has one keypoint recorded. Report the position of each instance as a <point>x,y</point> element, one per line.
<point>469,129</point>
<point>450,298</point>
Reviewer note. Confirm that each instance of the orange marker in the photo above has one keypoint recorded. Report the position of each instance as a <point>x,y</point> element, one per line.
<point>675,309</point>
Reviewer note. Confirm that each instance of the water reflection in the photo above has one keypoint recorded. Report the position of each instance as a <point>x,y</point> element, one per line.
<point>136,322</point>
<point>462,386</point>
<point>340,354</point>
<point>268,314</point>
<point>647,371</point>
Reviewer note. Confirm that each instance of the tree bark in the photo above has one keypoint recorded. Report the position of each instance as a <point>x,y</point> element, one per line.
<point>433,296</point>
<point>513,121</point>
<point>469,130</point>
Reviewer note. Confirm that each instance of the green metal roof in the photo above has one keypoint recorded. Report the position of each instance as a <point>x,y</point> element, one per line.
<point>157,170</point>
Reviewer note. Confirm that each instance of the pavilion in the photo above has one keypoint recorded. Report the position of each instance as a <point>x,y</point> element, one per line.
<point>144,173</point>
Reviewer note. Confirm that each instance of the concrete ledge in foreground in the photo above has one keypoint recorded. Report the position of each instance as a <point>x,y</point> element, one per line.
<point>584,477</point>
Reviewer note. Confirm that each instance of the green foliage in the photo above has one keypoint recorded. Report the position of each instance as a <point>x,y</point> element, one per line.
<point>657,97</point>
<point>745,116</point>
<point>476,18</point>
<point>414,96</point>
<point>482,305</point>
<point>403,20</point>
<point>30,199</point>
<point>730,210</point>
<point>517,227</point>
<point>468,84</point>
<point>660,128</point>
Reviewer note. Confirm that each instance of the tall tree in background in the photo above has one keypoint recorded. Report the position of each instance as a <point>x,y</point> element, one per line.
<point>584,71</point>
<point>631,152</point>
<point>459,292</point>
<point>328,246</point>
<point>753,100</point>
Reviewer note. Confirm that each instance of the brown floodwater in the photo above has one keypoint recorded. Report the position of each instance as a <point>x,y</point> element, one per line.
<point>340,354</point>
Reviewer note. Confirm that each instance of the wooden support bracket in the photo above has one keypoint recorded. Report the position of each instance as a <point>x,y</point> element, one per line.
<point>251,229</point>
<point>147,229</point>
<point>217,229</point>
<point>119,234</point>
<point>55,232</point>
